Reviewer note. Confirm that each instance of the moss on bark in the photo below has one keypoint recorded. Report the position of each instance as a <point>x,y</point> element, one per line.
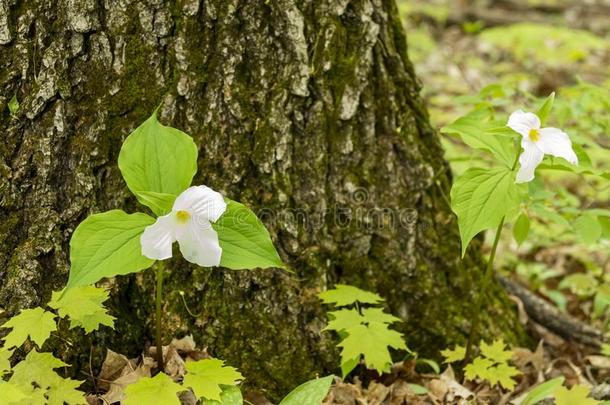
<point>307,111</point>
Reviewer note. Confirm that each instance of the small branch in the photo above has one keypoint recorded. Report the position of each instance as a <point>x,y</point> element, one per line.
<point>552,318</point>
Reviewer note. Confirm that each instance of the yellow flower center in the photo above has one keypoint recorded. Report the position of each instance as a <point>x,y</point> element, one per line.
<point>183,216</point>
<point>534,135</point>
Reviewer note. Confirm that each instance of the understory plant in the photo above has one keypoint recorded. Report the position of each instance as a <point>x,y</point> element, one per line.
<point>493,195</point>
<point>363,327</point>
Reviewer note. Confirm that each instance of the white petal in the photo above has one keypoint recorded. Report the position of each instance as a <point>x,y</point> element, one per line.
<point>201,201</point>
<point>522,122</point>
<point>199,242</point>
<point>557,143</point>
<point>529,159</point>
<point>157,239</point>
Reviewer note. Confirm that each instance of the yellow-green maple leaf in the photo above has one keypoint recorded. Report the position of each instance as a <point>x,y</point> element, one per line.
<point>160,389</point>
<point>496,351</point>
<point>577,395</point>
<point>501,374</point>
<point>35,323</point>
<point>343,295</point>
<point>84,306</point>
<point>456,354</point>
<point>371,341</point>
<point>206,376</point>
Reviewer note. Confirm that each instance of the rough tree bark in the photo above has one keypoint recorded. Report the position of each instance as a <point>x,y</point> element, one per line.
<point>308,109</point>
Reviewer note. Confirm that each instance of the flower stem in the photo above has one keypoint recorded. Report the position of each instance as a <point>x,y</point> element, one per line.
<point>158,297</point>
<point>489,271</point>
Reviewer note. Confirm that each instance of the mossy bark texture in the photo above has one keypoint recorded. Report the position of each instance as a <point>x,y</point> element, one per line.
<point>306,110</point>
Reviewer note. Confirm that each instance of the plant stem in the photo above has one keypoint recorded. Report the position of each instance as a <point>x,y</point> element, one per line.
<point>158,297</point>
<point>489,271</point>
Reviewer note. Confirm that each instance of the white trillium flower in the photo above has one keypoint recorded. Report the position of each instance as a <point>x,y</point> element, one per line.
<point>537,142</point>
<point>189,223</point>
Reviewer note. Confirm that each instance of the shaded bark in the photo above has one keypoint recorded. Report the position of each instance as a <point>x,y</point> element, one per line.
<point>307,111</point>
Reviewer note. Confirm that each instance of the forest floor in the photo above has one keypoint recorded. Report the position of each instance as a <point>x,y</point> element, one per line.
<point>509,53</point>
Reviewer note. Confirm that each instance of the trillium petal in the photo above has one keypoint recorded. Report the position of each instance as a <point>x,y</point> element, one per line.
<point>555,142</point>
<point>199,242</point>
<point>201,201</point>
<point>529,159</point>
<point>157,239</point>
<point>522,122</point>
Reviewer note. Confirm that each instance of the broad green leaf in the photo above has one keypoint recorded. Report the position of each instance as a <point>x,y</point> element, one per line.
<point>588,229</point>
<point>456,354</point>
<point>310,393</point>
<point>230,395</point>
<point>37,368</point>
<point>206,376</point>
<point>64,391</point>
<point>13,105</point>
<point>371,341</point>
<point>430,363</point>
<point>348,365</point>
<point>343,295</point>
<point>578,394</point>
<point>244,240</point>
<point>496,351</point>
<point>343,319</point>
<point>158,159</point>
<point>545,109</point>
<point>11,393</point>
<point>478,133</point>
<point>418,389</point>
<point>481,198</point>
<point>107,245</point>
<point>542,391</point>
<point>160,389</point>
<point>521,228</point>
<point>602,300</point>
<point>84,306</point>
<point>159,203</point>
<point>582,284</point>
<point>378,315</point>
<point>35,323</point>
<point>478,368</point>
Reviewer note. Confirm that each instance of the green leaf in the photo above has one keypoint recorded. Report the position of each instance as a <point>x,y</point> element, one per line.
<point>37,368</point>
<point>107,245</point>
<point>496,351</point>
<point>158,159</point>
<point>577,395</point>
<point>521,228</point>
<point>588,229</point>
<point>481,198</point>
<point>13,105</point>
<point>231,395</point>
<point>582,284</point>
<point>159,203</point>
<point>35,323</point>
<point>371,341</point>
<point>478,368</point>
<point>418,389</point>
<point>160,389</point>
<point>542,391</point>
<point>545,109</point>
<point>244,240</point>
<point>378,315</point>
<point>343,319</point>
<point>491,136</point>
<point>348,365</point>
<point>430,363</point>
<point>84,306</point>
<point>64,391</point>
<point>452,355</point>
<point>11,393</point>
<point>206,376</point>
<point>310,393</point>
<point>5,363</point>
<point>502,374</point>
<point>343,295</point>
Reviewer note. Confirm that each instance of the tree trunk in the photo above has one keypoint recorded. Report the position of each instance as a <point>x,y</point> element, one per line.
<point>307,111</point>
